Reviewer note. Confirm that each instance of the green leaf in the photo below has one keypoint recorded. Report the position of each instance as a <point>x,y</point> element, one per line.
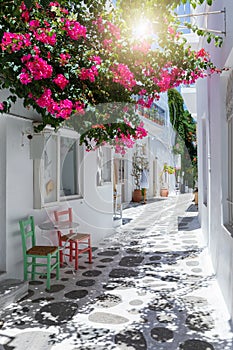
<point>12,98</point>
<point>44,3</point>
<point>28,3</point>
<point>200,32</point>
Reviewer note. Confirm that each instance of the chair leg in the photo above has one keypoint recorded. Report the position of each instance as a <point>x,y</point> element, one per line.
<point>58,265</point>
<point>25,269</point>
<point>60,250</point>
<point>71,251</point>
<point>76,255</point>
<point>61,256</point>
<point>90,250</point>
<point>33,268</point>
<point>48,271</point>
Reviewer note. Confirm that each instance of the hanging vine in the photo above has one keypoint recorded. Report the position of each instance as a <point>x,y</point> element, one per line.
<point>186,141</point>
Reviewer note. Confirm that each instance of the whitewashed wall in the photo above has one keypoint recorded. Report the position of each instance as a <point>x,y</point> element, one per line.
<point>3,193</point>
<point>211,98</point>
<point>94,211</point>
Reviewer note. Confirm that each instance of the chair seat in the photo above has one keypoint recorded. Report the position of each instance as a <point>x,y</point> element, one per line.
<point>75,237</point>
<point>42,250</point>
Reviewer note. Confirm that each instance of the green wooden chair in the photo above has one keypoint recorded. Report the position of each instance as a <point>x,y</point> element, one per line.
<point>32,252</point>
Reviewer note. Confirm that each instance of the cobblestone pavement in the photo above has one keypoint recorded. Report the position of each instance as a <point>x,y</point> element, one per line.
<point>150,286</point>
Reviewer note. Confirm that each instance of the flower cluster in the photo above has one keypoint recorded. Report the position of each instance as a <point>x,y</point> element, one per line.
<point>108,27</point>
<point>74,29</point>
<point>61,81</point>
<point>123,76</point>
<point>13,42</point>
<point>64,58</point>
<point>62,109</point>
<point>89,73</point>
<point>123,141</point>
<point>46,36</point>
<point>36,68</point>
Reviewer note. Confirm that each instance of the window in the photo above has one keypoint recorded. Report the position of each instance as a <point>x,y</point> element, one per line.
<point>119,170</point>
<point>104,165</point>
<point>107,164</point>
<point>68,167</point>
<point>56,171</point>
<point>49,167</point>
<point>229,113</point>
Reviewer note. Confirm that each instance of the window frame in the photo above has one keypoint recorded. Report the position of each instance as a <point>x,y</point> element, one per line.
<point>104,156</point>
<point>39,170</point>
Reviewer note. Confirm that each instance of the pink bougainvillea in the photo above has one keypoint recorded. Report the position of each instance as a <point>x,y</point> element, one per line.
<point>66,58</point>
<point>123,76</point>
<point>14,42</point>
<point>38,68</point>
<point>74,29</point>
<point>61,81</point>
<point>88,73</point>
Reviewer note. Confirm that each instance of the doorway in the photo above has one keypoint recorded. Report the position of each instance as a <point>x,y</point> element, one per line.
<point>155,177</point>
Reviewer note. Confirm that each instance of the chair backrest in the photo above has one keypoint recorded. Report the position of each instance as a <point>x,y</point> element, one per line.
<point>27,229</point>
<point>64,215</point>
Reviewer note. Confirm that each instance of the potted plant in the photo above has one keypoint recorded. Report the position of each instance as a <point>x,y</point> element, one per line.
<point>138,164</point>
<point>164,189</point>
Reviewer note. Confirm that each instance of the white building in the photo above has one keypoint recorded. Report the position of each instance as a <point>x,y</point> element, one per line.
<point>214,101</point>
<point>156,148</point>
<point>42,174</point>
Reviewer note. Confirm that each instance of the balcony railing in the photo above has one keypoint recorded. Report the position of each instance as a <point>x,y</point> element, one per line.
<point>156,114</point>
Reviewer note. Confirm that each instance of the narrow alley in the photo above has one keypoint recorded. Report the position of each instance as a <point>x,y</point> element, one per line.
<point>151,286</point>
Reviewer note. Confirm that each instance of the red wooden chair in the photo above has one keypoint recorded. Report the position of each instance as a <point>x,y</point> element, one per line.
<point>74,243</point>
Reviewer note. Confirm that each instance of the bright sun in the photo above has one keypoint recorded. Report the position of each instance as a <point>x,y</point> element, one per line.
<point>142,28</point>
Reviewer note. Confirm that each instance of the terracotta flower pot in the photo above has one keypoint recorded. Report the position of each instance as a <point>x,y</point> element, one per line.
<point>137,196</point>
<point>164,192</point>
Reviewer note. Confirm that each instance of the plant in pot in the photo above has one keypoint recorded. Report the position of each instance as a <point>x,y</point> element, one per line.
<point>138,164</point>
<point>164,189</point>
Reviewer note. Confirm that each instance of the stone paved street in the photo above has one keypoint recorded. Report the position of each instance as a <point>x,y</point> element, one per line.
<point>150,286</point>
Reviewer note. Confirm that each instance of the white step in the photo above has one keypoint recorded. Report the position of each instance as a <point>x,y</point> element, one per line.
<point>12,290</point>
<point>2,275</point>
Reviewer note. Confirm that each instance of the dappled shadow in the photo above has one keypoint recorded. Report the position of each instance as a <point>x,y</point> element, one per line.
<point>126,220</point>
<point>145,290</point>
<point>189,223</point>
<point>149,201</point>
<point>192,208</point>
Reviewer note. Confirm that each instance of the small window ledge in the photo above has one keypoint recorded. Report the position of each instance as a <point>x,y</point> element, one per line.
<point>229,229</point>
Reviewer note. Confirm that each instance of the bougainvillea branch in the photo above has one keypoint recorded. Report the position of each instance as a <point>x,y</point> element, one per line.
<point>65,58</point>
